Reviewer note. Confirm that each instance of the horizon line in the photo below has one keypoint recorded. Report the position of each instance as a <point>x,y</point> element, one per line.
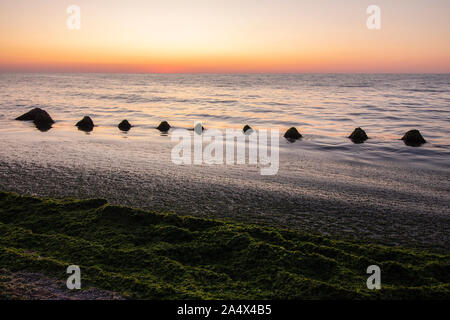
<point>207,72</point>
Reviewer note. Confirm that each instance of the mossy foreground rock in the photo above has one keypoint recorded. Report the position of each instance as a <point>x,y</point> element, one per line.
<point>292,134</point>
<point>125,125</point>
<point>85,124</point>
<point>358,135</point>
<point>40,118</point>
<point>163,126</point>
<point>413,138</point>
<point>145,255</point>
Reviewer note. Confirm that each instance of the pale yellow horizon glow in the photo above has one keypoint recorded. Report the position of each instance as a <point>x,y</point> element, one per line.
<point>225,36</point>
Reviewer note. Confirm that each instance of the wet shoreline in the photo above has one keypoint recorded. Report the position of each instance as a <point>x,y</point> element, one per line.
<point>362,206</point>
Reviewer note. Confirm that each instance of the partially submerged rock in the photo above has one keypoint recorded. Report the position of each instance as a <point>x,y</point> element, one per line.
<point>125,125</point>
<point>247,128</point>
<point>292,134</point>
<point>163,126</point>
<point>43,126</point>
<point>38,116</point>
<point>358,135</point>
<point>413,138</point>
<point>85,124</point>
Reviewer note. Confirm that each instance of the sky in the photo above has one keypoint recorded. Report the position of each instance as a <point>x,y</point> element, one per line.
<point>225,36</point>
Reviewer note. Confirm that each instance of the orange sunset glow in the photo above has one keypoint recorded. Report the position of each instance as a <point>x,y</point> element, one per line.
<point>225,36</point>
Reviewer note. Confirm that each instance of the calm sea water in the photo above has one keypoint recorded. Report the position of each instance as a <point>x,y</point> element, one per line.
<point>325,108</point>
<point>328,105</point>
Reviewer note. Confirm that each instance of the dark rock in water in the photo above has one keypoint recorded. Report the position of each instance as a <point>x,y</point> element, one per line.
<point>85,124</point>
<point>292,134</point>
<point>247,128</point>
<point>413,138</point>
<point>125,125</point>
<point>43,126</point>
<point>358,135</point>
<point>43,121</point>
<point>37,115</point>
<point>163,126</point>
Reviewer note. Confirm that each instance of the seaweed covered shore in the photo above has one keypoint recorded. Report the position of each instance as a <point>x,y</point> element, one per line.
<point>146,255</point>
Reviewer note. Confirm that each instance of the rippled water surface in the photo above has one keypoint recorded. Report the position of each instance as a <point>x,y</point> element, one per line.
<point>325,108</point>
<point>319,104</point>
